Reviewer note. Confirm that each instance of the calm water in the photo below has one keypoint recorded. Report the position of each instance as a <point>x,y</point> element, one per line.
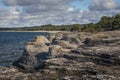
<point>12,45</point>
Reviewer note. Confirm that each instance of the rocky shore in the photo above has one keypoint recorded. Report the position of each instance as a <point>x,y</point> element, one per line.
<point>68,56</point>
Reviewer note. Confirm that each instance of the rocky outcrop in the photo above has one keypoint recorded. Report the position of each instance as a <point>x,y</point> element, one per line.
<point>88,42</point>
<point>70,56</point>
<point>72,39</point>
<point>35,49</point>
<point>55,51</point>
<point>38,45</point>
<point>65,44</point>
<point>39,40</point>
<point>29,60</point>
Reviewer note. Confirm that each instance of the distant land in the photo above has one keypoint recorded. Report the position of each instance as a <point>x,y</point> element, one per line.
<point>105,24</point>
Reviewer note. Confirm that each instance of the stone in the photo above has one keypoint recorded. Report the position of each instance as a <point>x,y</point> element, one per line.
<point>39,40</point>
<point>51,37</point>
<point>65,44</point>
<point>70,78</point>
<point>61,42</point>
<point>36,49</point>
<point>72,39</point>
<point>88,42</point>
<point>55,51</point>
<point>97,60</point>
<point>27,62</point>
<point>56,61</point>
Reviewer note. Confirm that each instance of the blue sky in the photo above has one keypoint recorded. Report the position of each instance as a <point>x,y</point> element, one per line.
<point>20,13</point>
<point>81,4</point>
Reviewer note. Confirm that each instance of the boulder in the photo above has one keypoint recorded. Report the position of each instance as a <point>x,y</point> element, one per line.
<point>65,44</point>
<point>27,62</point>
<point>55,51</point>
<point>36,49</point>
<point>39,40</point>
<point>51,37</point>
<point>60,42</point>
<point>88,42</point>
<point>72,39</point>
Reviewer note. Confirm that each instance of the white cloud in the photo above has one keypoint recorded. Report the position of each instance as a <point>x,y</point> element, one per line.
<point>102,5</point>
<point>70,9</point>
<point>34,2</point>
<point>40,12</point>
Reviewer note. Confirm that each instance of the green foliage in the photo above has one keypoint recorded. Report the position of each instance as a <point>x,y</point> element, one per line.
<point>89,27</point>
<point>49,27</point>
<point>105,24</point>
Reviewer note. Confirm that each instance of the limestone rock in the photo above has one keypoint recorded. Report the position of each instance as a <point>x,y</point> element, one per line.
<point>36,49</point>
<point>39,45</point>
<point>66,61</point>
<point>51,37</point>
<point>72,39</point>
<point>27,62</point>
<point>55,51</point>
<point>39,40</point>
<point>88,42</point>
<point>65,44</point>
<point>70,78</point>
<point>56,61</point>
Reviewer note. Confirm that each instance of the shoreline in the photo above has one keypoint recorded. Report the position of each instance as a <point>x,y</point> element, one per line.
<point>73,56</point>
<point>37,31</point>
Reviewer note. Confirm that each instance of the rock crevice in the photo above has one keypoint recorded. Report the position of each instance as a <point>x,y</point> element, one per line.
<point>69,56</point>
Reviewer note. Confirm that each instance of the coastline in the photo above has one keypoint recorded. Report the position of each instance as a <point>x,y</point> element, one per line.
<point>73,56</point>
<point>37,31</point>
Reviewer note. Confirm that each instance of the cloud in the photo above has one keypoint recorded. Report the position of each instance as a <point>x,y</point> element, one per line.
<point>37,12</point>
<point>34,2</point>
<point>40,12</point>
<point>9,18</point>
<point>118,7</point>
<point>102,5</point>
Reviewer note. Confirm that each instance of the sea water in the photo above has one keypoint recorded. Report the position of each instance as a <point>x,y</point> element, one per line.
<point>12,45</point>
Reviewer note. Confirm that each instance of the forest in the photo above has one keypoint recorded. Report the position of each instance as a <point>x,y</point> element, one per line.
<point>105,24</point>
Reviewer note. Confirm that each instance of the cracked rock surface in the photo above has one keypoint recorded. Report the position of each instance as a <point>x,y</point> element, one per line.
<point>68,56</point>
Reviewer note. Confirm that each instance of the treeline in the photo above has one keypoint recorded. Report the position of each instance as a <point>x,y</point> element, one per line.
<point>105,24</point>
<point>49,27</point>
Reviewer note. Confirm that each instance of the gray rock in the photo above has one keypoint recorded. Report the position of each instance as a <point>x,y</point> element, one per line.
<point>55,51</point>
<point>88,42</point>
<point>72,39</point>
<point>71,78</point>
<point>51,37</point>
<point>67,61</point>
<point>65,44</point>
<point>56,61</point>
<point>36,49</point>
<point>28,62</point>
<point>39,40</point>
<point>39,45</point>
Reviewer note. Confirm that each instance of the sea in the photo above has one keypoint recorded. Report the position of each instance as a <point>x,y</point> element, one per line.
<point>12,45</point>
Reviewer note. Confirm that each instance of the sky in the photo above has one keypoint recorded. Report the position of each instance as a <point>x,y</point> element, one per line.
<point>25,13</point>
